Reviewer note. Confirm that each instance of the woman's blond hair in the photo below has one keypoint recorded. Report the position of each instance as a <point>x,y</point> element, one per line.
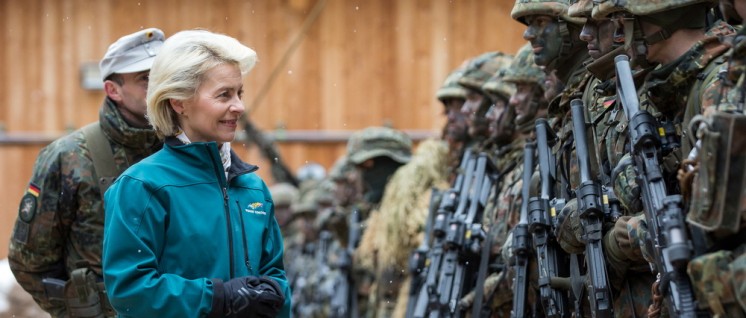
<point>179,67</point>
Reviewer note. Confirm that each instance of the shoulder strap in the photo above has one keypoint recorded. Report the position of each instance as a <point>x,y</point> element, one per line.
<point>101,154</point>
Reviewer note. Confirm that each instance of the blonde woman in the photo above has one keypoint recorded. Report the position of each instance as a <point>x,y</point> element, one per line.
<point>190,231</point>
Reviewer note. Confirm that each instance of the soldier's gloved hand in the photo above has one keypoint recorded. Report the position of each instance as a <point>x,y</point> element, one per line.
<point>248,296</point>
<point>570,231</point>
<point>625,185</point>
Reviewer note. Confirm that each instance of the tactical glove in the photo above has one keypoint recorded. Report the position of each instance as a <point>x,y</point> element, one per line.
<point>570,231</point>
<point>248,296</point>
<point>625,185</point>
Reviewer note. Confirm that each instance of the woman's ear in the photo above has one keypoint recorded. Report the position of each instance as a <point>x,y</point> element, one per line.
<point>177,105</point>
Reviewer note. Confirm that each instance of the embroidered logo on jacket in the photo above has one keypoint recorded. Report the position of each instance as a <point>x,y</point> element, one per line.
<point>255,208</point>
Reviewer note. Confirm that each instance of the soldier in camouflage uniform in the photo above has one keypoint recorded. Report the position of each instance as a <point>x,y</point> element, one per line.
<point>478,103</point>
<point>629,277</point>
<point>59,230</point>
<point>522,85</point>
<point>377,153</point>
<point>554,37</point>
<point>307,262</point>
<point>283,195</point>
<point>712,181</point>
<point>456,130</point>
<point>686,83</point>
<point>436,164</point>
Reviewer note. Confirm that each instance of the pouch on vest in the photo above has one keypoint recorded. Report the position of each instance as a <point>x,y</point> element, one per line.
<point>81,295</point>
<point>719,189</point>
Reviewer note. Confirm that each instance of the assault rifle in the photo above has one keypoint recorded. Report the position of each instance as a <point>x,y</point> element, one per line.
<point>551,259</point>
<point>344,301</point>
<point>418,258</point>
<point>521,240</point>
<point>667,230</point>
<point>428,295</point>
<point>591,212</point>
<point>280,171</point>
<point>464,236</point>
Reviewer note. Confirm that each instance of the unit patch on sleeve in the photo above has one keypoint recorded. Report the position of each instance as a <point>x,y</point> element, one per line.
<point>29,203</point>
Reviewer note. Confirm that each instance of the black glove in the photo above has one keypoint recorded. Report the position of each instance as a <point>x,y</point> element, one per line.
<point>248,296</point>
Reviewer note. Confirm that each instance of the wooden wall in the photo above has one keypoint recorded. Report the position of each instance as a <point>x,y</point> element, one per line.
<point>361,63</point>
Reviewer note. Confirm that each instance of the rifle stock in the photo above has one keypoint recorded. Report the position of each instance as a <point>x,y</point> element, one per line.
<point>667,230</point>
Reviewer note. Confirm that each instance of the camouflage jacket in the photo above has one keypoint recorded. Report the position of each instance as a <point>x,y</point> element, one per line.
<point>61,228</point>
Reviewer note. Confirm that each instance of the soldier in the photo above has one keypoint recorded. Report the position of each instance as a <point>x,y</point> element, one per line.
<point>377,153</point>
<point>307,266</point>
<point>554,37</point>
<point>712,180</point>
<point>456,130</point>
<point>406,203</point>
<point>283,195</point>
<point>686,83</point>
<point>629,276</point>
<point>503,208</point>
<point>55,251</point>
<point>478,103</point>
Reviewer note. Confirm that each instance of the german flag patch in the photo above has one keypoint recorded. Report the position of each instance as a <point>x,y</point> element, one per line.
<point>29,203</point>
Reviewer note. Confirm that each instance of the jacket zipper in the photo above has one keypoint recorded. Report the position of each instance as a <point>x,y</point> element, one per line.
<point>230,230</point>
<point>245,241</point>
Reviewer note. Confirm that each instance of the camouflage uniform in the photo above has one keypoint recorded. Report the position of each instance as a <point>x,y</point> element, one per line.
<point>283,195</point>
<point>673,93</point>
<point>503,208</point>
<point>60,222</point>
<point>567,66</point>
<point>492,124</point>
<point>307,251</point>
<point>372,143</point>
<point>716,197</point>
<point>455,132</point>
<point>402,215</point>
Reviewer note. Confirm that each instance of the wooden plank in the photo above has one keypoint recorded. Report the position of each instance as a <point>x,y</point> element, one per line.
<point>361,63</point>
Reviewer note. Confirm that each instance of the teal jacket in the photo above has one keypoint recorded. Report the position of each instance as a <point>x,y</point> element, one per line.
<point>173,223</point>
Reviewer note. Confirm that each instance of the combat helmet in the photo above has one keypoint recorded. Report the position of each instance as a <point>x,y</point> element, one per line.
<point>340,169</point>
<point>374,142</point>
<point>482,68</point>
<point>283,193</point>
<point>523,69</point>
<point>312,196</point>
<point>554,8</point>
<point>670,14</point>
<point>497,86</point>
<point>451,88</point>
<point>580,9</point>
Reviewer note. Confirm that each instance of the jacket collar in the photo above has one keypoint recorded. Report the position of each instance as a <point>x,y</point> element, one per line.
<point>238,166</point>
<point>121,132</point>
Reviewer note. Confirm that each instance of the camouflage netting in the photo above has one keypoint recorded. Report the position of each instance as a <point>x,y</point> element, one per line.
<point>366,250</point>
<point>405,203</point>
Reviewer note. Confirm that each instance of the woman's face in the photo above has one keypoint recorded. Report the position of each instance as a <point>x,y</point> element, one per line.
<point>213,112</point>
